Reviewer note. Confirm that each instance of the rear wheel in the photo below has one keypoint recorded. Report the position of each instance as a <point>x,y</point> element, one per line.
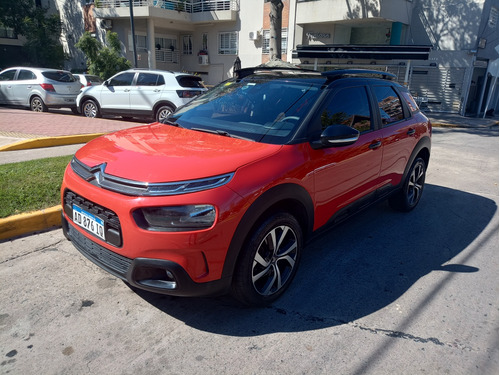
<point>91,109</point>
<point>408,197</point>
<point>163,112</point>
<point>268,261</point>
<point>37,104</point>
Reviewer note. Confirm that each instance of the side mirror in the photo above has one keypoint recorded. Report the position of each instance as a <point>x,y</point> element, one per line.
<point>106,83</point>
<point>337,136</point>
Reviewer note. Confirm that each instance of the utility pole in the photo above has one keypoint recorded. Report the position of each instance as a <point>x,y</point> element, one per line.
<point>275,29</point>
<point>134,49</point>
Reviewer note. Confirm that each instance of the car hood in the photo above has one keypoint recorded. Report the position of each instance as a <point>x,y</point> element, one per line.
<point>162,153</point>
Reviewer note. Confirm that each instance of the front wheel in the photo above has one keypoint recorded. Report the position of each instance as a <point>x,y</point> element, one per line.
<point>91,109</point>
<point>268,261</point>
<point>408,197</point>
<point>163,112</point>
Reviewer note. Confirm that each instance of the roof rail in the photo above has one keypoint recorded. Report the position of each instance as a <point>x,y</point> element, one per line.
<point>341,73</point>
<point>242,73</point>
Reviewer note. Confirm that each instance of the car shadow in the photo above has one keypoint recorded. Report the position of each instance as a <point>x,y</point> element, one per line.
<point>354,269</point>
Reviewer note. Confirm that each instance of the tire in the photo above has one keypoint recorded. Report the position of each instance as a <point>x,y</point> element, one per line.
<point>163,112</point>
<point>268,261</point>
<point>91,109</point>
<point>37,104</point>
<point>407,198</point>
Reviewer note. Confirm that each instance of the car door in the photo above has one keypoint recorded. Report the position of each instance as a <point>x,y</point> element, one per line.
<point>23,86</point>
<point>115,95</point>
<point>399,133</point>
<point>146,92</point>
<point>6,86</point>
<point>344,174</point>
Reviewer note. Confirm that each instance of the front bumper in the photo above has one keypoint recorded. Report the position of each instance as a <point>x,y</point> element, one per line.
<point>154,275</point>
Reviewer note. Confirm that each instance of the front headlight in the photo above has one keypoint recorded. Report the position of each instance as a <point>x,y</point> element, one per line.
<point>176,218</point>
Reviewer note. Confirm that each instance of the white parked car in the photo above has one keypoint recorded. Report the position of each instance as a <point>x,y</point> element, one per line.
<point>39,88</point>
<point>140,93</point>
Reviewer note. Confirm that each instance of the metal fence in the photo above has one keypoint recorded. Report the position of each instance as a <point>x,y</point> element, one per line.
<point>178,5</point>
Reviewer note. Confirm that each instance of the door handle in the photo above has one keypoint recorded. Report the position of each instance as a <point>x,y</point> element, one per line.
<point>157,90</point>
<point>375,144</point>
<point>410,132</point>
<point>126,90</point>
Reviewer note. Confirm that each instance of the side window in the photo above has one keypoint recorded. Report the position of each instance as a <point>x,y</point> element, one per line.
<point>389,104</point>
<point>148,79</point>
<point>349,106</point>
<point>124,79</point>
<point>409,100</point>
<point>8,75</point>
<point>25,75</point>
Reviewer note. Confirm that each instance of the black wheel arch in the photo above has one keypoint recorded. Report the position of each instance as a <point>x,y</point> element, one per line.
<point>291,198</point>
<point>88,97</point>
<point>162,103</point>
<point>423,150</point>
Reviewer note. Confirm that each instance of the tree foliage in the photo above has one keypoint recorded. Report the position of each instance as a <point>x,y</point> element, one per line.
<point>103,61</point>
<point>41,30</point>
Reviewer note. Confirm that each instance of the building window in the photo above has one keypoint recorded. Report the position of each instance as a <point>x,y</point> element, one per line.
<point>166,50</point>
<point>228,43</point>
<point>187,45</point>
<point>204,42</point>
<point>7,32</point>
<point>141,42</point>
<point>267,36</point>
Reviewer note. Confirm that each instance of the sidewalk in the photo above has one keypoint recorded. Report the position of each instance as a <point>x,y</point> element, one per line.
<point>26,135</point>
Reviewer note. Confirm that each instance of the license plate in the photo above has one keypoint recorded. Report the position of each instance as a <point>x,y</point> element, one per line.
<point>69,100</point>
<point>88,221</point>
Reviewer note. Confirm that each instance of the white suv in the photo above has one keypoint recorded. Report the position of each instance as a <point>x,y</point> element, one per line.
<point>140,93</point>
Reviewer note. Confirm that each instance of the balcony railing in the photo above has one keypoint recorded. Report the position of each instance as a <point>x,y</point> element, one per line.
<point>178,5</point>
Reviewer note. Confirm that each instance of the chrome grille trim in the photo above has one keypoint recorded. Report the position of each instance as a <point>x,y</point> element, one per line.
<point>97,176</point>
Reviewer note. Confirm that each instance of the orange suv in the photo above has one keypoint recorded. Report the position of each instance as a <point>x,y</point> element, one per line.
<point>222,196</point>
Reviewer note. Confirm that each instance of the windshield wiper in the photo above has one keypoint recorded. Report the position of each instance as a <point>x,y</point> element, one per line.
<point>167,121</point>
<point>220,132</point>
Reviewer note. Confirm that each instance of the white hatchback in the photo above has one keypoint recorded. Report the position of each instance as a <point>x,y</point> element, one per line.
<point>39,88</point>
<point>140,93</point>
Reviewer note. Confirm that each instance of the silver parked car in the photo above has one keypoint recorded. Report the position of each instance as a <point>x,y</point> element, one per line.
<point>140,93</point>
<point>39,88</point>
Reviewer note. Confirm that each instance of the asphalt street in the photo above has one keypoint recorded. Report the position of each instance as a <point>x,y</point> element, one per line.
<point>385,293</point>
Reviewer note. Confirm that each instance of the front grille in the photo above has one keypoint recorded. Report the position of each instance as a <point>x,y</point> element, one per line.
<point>112,227</point>
<point>113,263</point>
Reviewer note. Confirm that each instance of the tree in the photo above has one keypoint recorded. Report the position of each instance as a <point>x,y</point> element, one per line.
<point>275,29</point>
<point>103,61</point>
<point>42,32</point>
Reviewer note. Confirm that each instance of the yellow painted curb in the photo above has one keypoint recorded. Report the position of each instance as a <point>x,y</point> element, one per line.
<point>17,225</point>
<point>50,141</point>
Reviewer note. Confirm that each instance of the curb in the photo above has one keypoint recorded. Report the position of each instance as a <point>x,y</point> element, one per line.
<point>17,225</point>
<point>50,142</point>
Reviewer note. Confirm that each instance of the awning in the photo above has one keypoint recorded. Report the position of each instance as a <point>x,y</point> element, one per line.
<point>367,52</point>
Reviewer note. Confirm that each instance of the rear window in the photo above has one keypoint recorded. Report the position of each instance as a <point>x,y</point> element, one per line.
<point>190,81</point>
<point>94,79</point>
<point>59,76</point>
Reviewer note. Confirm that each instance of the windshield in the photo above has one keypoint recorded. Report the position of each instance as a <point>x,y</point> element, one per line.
<point>261,109</point>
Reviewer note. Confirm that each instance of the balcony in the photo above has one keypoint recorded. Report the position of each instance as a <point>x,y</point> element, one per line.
<point>193,12</point>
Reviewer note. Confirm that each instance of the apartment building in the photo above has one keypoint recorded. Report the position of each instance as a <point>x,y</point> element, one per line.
<point>446,52</point>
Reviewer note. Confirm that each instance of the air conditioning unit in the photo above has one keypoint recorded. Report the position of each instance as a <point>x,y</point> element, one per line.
<point>203,59</point>
<point>107,24</point>
<point>254,35</point>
